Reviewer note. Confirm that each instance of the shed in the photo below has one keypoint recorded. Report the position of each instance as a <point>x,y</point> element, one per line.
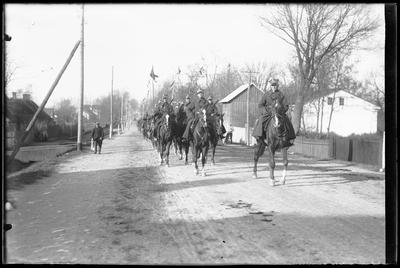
<point>234,107</point>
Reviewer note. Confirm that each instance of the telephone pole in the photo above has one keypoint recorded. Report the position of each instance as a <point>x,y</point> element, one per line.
<point>122,111</point>
<point>79,134</point>
<point>248,137</point>
<point>111,101</point>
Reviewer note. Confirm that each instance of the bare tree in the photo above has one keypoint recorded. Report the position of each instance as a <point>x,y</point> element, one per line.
<point>318,31</point>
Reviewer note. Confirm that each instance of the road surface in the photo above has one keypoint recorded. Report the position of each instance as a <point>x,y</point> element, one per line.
<point>121,207</point>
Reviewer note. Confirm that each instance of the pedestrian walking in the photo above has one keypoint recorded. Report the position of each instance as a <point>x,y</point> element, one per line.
<point>97,136</point>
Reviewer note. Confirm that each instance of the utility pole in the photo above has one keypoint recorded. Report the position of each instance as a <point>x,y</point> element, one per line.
<point>41,107</point>
<point>111,102</point>
<point>248,109</point>
<point>79,134</point>
<point>122,111</point>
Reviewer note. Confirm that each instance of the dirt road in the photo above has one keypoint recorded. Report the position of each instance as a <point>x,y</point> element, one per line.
<point>120,207</point>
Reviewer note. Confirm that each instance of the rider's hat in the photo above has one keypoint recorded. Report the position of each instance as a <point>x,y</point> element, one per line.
<point>199,91</point>
<point>209,98</point>
<point>274,82</point>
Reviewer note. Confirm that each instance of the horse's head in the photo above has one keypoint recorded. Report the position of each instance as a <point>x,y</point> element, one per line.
<point>167,121</point>
<point>204,117</point>
<point>277,109</point>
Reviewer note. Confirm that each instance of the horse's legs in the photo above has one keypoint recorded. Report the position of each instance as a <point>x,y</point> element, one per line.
<point>194,151</point>
<point>213,146</point>
<point>271,165</point>
<point>180,148</point>
<point>204,160</point>
<point>168,146</point>
<point>186,147</point>
<point>162,148</point>
<point>258,152</point>
<point>285,164</point>
<point>175,146</point>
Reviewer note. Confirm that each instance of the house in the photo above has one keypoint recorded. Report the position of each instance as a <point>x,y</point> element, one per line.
<point>234,107</point>
<point>19,113</point>
<point>348,114</point>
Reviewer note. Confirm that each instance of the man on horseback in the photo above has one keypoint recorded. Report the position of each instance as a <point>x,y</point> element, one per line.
<point>214,114</point>
<point>192,112</point>
<point>268,100</point>
<point>162,109</point>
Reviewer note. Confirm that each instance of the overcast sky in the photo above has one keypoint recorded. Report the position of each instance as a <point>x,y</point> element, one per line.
<point>133,38</point>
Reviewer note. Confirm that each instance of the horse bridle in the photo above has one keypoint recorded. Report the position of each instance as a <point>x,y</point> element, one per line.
<point>204,125</point>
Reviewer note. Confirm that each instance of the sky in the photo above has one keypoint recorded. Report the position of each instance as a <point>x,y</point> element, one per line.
<point>131,38</point>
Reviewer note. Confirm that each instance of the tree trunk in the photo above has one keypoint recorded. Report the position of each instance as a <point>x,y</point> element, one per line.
<point>322,115</point>
<point>298,110</point>
<point>331,112</point>
<point>318,109</point>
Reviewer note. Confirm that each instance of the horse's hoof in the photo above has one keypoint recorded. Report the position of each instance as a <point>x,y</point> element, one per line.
<point>203,174</point>
<point>213,163</point>
<point>196,172</point>
<point>272,182</point>
<point>254,176</point>
<point>283,182</point>
<point>167,165</point>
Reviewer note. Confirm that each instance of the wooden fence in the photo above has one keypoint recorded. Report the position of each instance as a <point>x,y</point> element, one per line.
<point>312,147</point>
<point>359,150</point>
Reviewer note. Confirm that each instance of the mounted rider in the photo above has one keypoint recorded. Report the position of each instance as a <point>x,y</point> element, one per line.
<point>192,111</point>
<point>266,105</point>
<point>212,111</point>
<point>163,107</point>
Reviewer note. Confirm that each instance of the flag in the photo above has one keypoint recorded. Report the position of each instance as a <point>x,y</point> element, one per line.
<point>152,74</point>
<point>179,70</point>
<point>201,70</point>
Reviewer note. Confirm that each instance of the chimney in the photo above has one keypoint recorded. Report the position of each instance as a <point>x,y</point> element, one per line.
<point>26,96</point>
<point>14,94</point>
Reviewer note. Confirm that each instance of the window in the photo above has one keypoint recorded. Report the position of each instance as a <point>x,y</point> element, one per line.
<point>330,100</point>
<point>341,101</point>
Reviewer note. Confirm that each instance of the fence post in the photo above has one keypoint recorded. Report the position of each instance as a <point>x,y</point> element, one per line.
<point>383,154</point>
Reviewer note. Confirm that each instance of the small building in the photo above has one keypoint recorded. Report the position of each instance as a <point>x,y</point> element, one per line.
<point>19,113</point>
<point>234,107</point>
<point>350,114</point>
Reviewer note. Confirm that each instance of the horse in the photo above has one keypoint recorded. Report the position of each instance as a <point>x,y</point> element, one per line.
<point>216,130</point>
<point>273,129</point>
<point>201,142</point>
<point>180,125</point>
<point>165,135</point>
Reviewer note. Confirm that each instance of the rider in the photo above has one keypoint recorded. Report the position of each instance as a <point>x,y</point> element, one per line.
<point>265,106</point>
<point>195,108</point>
<point>163,108</point>
<point>212,110</point>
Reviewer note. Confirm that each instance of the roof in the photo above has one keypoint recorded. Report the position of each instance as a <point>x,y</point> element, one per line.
<point>24,110</point>
<point>237,92</point>
<point>324,94</point>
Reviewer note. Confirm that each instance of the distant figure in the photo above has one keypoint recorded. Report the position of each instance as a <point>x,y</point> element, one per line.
<point>229,134</point>
<point>97,136</point>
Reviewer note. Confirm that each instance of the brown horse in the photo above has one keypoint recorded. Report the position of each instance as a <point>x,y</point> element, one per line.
<point>273,135</point>
<point>165,136</point>
<point>216,132</point>
<point>201,142</point>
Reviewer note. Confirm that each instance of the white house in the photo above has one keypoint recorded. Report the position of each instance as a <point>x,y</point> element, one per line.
<point>350,114</point>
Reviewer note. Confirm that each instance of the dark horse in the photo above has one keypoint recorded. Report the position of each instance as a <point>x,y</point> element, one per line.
<point>180,125</point>
<point>273,134</point>
<point>201,142</point>
<point>164,138</point>
<point>216,132</point>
